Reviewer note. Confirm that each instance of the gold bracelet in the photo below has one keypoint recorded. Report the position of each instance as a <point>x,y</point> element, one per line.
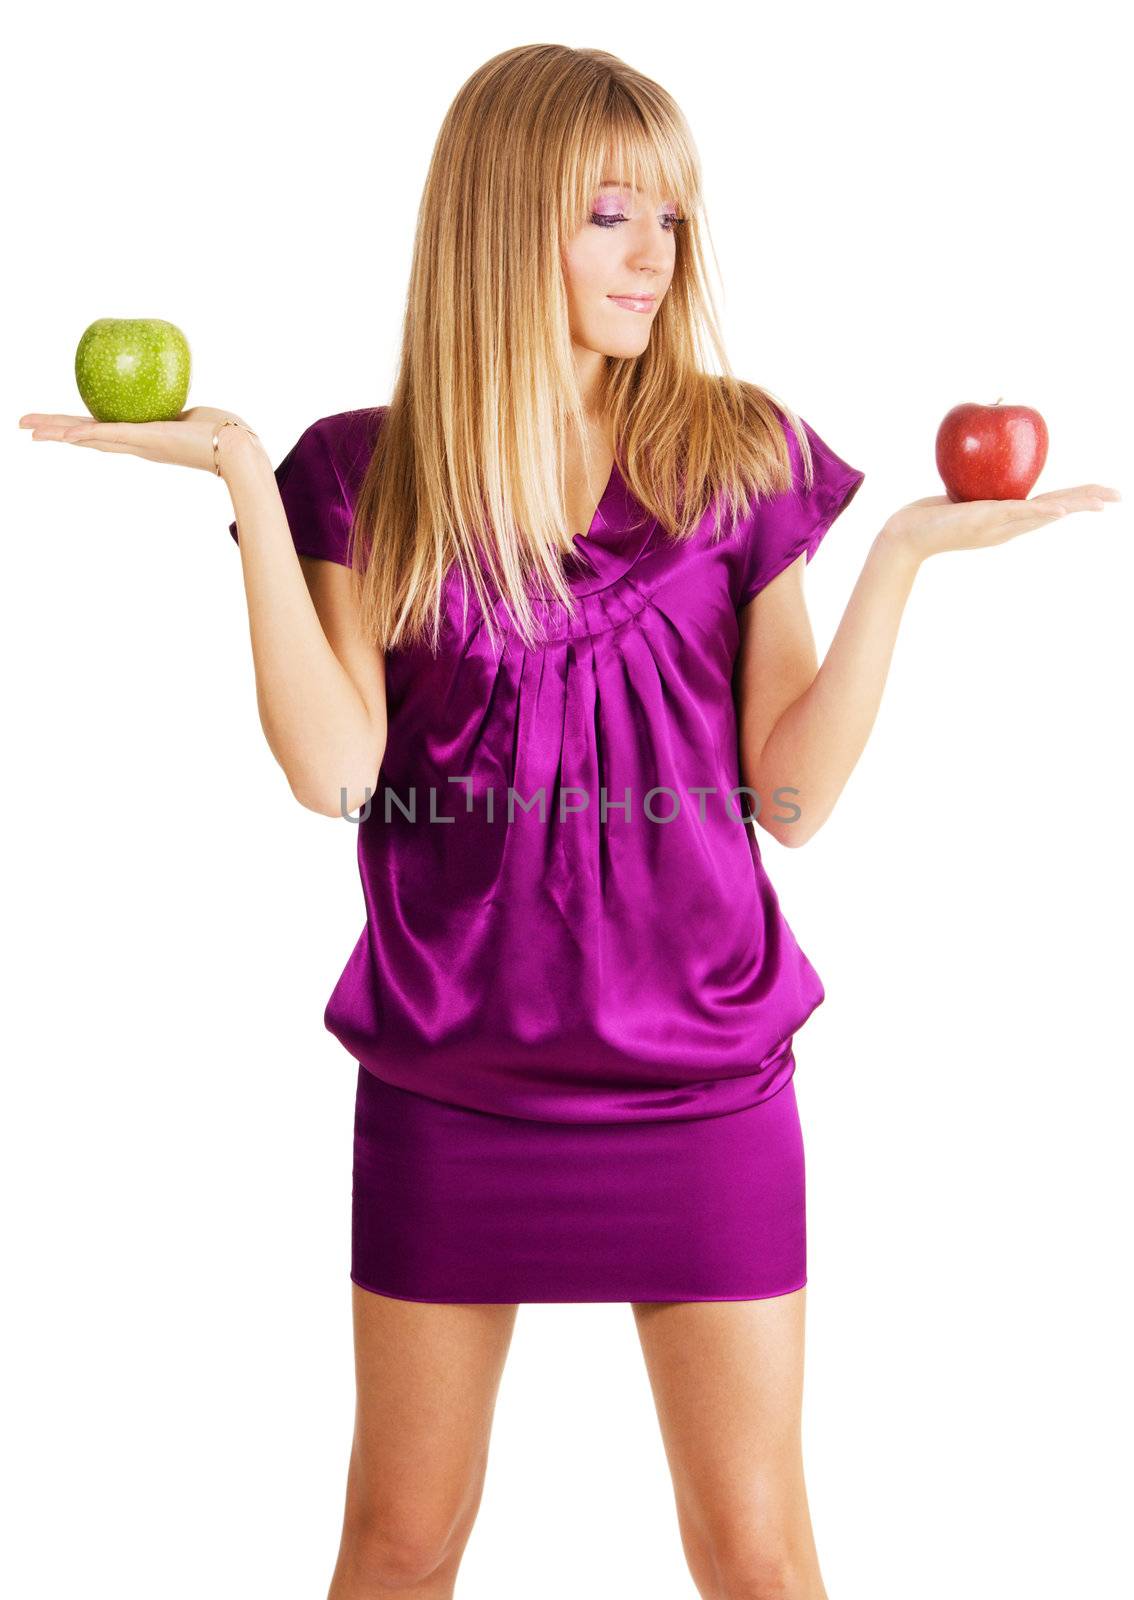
<point>228,422</point>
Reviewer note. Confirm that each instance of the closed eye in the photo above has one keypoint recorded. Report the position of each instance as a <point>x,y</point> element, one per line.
<point>605,221</point>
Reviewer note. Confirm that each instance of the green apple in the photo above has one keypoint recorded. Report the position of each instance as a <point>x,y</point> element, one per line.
<point>133,369</point>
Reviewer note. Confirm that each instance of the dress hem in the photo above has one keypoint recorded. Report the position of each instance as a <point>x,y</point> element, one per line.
<point>572,1300</point>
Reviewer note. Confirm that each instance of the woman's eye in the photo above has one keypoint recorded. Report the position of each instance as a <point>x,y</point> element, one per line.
<point>605,220</point>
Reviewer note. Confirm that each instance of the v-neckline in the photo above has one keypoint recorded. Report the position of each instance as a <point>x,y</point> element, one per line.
<point>596,522</point>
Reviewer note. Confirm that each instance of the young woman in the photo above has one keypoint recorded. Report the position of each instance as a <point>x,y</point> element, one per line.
<point>540,620</point>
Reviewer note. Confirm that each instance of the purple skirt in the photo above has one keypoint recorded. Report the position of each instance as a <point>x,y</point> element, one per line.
<point>456,1205</point>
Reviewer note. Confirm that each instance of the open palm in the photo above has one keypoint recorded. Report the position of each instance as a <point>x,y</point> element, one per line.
<point>938,523</point>
<point>185,441</point>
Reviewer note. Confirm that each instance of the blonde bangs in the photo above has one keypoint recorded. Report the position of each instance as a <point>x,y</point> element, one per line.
<point>469,470</point>
<point>655,157</point>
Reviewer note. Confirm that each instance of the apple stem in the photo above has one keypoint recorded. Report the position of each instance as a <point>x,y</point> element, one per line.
<point>997,402</point>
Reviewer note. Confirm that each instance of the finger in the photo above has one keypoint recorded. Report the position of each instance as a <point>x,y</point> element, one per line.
<point>1037,506</point>
<point>51,419</point>
<point>89,432</point>
<point>1102,491</point>
<point>1012,517</point>
<point>61,427</point>
<point>52,433</point>
<point>86,430</point>
<point>1056,495</point>
<point>69,434</point>
<point>1082,494</point>
<point>1033,512</point>
<point>109,435</point>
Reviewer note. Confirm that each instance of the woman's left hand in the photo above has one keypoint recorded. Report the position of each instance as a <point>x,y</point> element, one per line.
<point>927,527</point>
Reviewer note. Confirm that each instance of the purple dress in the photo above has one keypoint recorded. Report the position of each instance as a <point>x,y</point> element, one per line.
<point>574,1000</point>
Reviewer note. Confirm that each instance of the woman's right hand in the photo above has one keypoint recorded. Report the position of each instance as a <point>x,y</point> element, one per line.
<point>186,441</point>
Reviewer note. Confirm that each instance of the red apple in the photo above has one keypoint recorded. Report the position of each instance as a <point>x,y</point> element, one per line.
<point>991,452</point>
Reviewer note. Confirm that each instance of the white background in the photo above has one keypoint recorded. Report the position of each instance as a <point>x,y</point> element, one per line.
<point>909,209</point>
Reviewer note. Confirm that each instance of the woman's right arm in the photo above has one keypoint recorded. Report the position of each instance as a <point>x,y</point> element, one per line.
<point>320,686</point>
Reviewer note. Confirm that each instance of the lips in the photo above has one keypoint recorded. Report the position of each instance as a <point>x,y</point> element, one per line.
<point>633,302</point>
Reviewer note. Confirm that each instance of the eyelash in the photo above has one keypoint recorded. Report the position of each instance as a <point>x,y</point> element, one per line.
<point>604,221</point>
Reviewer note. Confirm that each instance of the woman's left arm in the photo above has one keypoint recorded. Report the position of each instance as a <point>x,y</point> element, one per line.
<point>801,728</point>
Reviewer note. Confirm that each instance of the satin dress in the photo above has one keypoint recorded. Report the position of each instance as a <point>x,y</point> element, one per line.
<point>574,999</point>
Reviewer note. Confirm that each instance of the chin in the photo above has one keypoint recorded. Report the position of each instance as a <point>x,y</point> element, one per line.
<point>625,348</point>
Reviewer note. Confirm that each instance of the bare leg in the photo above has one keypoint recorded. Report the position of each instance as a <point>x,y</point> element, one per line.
<point>427,1377</point>
<point>727,1380</point>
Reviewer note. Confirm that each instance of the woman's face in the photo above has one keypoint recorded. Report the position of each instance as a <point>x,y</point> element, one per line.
<point>627,248</point>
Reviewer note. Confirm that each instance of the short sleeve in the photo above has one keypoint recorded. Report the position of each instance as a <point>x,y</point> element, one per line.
<point>780,529</point>
<point>311,488</point>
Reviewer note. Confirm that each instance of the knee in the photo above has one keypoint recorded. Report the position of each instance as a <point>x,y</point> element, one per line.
<point>400,1550</point>
<point>747,1571</point>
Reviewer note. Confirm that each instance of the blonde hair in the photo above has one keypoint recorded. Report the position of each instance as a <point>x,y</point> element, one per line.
<point>469,463</point>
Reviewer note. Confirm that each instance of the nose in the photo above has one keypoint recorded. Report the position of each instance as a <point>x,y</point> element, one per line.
<point>649,255</point>
<point>648,269</point>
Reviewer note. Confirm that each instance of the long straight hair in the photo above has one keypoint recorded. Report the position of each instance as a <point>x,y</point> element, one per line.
<point>469,467</point>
